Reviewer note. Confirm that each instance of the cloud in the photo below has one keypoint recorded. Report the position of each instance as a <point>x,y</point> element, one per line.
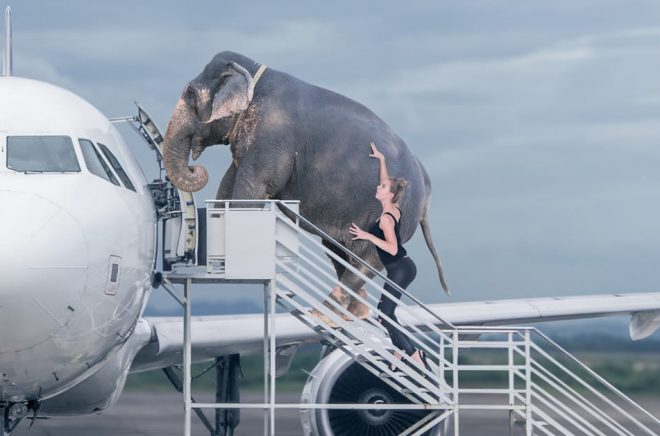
<point>538,122</point>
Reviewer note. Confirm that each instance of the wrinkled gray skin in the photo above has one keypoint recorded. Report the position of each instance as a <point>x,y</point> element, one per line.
<point>294,141</point>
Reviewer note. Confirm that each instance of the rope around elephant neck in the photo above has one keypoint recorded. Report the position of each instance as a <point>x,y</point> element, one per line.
<point>234,128</point>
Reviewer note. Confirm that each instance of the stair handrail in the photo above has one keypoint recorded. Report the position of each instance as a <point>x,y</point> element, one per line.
<point>377,313</point>
<point>565,353</point>
<point>424,343</point>
<point>595,375</point>
<point>315,261</point>
<point>433,328</point>
<point>591,385</point>
<point>570,393</point>
<point>363,262</point>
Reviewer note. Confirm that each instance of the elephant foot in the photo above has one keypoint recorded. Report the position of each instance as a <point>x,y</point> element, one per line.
<point>340,298</point>
<point>323,318</point>
<point>357,308</point>
<point>336,297</point>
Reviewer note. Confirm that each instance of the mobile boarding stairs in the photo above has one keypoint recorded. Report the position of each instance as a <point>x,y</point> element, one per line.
<point>543,388</point>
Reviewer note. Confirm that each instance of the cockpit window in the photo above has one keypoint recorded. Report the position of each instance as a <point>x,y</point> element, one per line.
<point>95,163</point>
<point>41,154</point>
<point>117,166</point>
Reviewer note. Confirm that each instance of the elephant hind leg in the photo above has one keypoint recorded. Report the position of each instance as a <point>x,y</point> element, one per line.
<point>340,296</point>
<point>350,280</point>
<point>339,267</point>
<point>356,307</point>
<point>356,283</point>
<point>337,294</point>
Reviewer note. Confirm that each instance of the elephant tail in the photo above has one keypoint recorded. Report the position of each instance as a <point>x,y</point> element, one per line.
<point>426,230</point>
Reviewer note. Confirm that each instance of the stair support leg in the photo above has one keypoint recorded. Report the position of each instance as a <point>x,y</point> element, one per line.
<point>176,381</point>
<point>270,356</point>
<point>454,357</point>
<point>187,358</point>
<point>511,382</point>
<point>227,390</point>
<point>273,353</point>
<point>266,344</point>
<point>528,386</point>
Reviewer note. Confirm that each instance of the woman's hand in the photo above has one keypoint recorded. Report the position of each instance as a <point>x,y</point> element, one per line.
<point>375,153</point>
<point>358,233</point>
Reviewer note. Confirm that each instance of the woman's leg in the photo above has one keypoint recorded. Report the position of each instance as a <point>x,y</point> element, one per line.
<point>401,272</point>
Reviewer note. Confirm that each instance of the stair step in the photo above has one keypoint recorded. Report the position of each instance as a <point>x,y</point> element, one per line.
<point>391,375</point>
<point>522,422</point>
<point>320,329</point>
<point>416,391</point>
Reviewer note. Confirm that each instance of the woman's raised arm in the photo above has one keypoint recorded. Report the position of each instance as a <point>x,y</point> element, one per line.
<point>383,167</point>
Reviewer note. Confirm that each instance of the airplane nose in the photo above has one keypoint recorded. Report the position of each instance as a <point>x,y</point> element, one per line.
<point>43,269</point>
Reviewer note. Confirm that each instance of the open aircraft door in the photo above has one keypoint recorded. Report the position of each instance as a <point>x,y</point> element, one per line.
<point>176,209</point>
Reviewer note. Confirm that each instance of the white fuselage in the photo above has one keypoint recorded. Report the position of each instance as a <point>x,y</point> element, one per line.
<point>76,250</point>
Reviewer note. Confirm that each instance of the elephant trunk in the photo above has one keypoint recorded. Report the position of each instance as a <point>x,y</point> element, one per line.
<point>176,151</point>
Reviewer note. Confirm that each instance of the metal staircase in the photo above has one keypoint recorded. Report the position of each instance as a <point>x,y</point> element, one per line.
<point>547,390</point>
<point>304,286</point>
<point>542,388</point>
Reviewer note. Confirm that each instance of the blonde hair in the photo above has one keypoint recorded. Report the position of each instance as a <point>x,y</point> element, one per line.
<point>398,188</point>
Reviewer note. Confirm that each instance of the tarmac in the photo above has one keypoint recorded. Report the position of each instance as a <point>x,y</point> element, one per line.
<point>144,413</point>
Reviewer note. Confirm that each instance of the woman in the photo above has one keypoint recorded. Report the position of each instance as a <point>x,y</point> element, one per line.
<point>385,235</point>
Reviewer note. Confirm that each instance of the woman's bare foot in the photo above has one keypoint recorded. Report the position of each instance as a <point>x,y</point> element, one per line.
<point>417,357</point>
<point>420,358</point>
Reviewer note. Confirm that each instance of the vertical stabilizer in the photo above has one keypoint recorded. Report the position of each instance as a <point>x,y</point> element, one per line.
<point>6,66</point>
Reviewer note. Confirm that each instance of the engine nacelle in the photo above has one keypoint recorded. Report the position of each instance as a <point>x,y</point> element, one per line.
<point>339,379</point>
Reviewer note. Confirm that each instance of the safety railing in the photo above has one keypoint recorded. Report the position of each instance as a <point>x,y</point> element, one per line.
<point>534,395</point>
<point>544,388</point>
<point>568,395</point>
<point>540,385</point>
<point>305,287</point>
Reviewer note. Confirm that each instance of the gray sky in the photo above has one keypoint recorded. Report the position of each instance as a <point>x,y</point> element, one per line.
<point>538,121</point>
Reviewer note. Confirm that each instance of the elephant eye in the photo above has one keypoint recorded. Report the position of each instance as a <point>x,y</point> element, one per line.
<point>190,93</point>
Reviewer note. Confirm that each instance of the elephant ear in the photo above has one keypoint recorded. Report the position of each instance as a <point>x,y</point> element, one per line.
<point>234,94</point>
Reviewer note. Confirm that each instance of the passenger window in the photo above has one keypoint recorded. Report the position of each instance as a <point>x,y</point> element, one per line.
<point>95,163</point>
<point>117,166</point>
<point>41,154</point>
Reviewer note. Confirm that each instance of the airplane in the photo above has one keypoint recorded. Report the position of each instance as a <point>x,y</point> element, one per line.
<point>79,245</point>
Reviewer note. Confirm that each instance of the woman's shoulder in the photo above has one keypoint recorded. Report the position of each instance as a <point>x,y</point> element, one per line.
<point>390,216</point>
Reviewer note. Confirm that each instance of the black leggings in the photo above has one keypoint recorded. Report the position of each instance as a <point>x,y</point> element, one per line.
<point>402,272</point>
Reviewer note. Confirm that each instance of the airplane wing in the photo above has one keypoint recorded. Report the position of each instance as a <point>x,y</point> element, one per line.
<point>231,334</point>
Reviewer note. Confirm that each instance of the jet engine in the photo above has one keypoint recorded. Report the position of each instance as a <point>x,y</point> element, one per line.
<point>339,379</point>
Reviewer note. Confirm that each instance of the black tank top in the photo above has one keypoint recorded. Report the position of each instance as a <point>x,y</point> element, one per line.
<point>386,257</point>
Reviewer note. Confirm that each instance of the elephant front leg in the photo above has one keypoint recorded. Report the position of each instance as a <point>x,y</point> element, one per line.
<point>226,188</point>
<point>252,184</point>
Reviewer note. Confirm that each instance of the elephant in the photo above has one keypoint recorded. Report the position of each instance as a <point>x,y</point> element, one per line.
<point>292,140</point>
